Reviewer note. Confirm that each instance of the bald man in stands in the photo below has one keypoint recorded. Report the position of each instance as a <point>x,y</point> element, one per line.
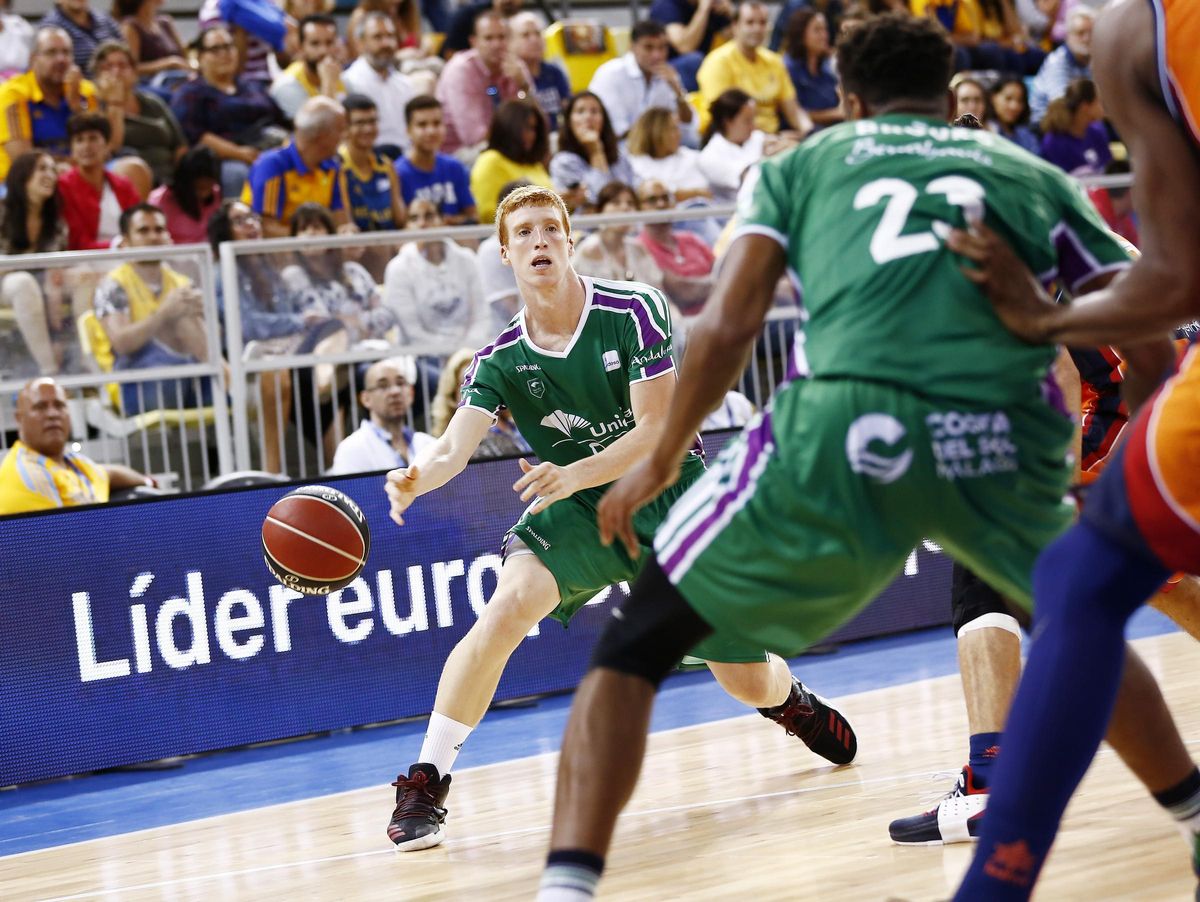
<point>39,473</point>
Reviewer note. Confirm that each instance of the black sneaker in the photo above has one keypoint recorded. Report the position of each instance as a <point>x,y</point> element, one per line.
<point>956,818</point>
<point>420,799</point>
<point>819,725</point>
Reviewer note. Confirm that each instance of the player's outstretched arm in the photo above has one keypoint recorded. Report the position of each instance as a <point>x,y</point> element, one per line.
<point>719,344</point>
<point>439,462</point>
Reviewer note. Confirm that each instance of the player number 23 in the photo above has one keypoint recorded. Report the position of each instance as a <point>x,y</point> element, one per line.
<point>888,243</point>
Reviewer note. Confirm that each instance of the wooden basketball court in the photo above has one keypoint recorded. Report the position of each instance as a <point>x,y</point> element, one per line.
<point>728,810</point>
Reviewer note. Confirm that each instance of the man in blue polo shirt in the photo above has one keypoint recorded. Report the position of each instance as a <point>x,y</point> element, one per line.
<point>426,174</point>
<point>35,106</point>
<point>307,170</point>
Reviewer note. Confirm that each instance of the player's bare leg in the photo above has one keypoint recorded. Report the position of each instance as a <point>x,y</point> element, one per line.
<point>770,687</point>
<point>525,593</point>
<point>1142,731</point>
<point>759,685</point>
<point>1182,604</point>
<point>989,660</point>
<point>606,734</point>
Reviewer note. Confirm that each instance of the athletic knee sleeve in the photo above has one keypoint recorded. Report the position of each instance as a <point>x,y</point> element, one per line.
<point>651,632</point>
<point>975,605</point>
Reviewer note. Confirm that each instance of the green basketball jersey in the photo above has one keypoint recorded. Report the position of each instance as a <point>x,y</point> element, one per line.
<point>573,403</point>
<point>862,211</point>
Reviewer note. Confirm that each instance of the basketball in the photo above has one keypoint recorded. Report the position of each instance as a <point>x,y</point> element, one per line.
<point>315,540</point>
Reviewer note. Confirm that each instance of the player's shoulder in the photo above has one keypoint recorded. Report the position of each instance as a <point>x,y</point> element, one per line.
<point>508,339</point>
<point>627,298</point>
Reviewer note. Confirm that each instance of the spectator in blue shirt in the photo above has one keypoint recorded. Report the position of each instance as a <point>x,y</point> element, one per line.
<point>1070,61</point>
<point>426,174</point>
<point>86,27</point>
<point>549,80</point>
<point>1074,136</point>
<point>691,27</point>
<point>1010,113</point>
<point>809,62</point>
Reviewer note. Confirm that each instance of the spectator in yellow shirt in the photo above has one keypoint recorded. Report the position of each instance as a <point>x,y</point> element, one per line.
<point>518,148</point>
<point>746,63</point>
<point>39,473</point>
<point>35,106</point>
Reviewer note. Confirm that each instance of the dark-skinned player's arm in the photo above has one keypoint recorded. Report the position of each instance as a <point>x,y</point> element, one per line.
<point>719,343</point>
<point>1160,291</point>
<point>1147,362</point>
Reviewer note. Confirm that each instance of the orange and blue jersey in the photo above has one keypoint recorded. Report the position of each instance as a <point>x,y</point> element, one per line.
<point>1149,496</point>
<point>1177,37</point>
<point>279,182</point>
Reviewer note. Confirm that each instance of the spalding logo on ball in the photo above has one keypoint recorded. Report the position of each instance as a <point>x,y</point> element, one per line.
<point>315,540</point>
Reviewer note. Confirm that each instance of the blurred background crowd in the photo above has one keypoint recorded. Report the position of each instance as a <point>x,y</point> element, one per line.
<point>139,126</point>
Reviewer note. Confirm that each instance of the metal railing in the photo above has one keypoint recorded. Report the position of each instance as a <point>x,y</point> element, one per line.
<point>185,445</point>
<point>158,419</point>
<point>301,453</point>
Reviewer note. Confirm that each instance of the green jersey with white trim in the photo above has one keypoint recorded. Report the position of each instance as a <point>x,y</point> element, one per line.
<point>863,209</point>
<point>574,403</point>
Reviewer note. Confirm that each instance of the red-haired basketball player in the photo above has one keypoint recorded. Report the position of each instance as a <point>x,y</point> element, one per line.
<point>586,371</point>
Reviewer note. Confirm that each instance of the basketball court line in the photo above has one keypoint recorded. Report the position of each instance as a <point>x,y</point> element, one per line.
<point>485,838</point>
<point>250,780</point>
<point>450,842</point>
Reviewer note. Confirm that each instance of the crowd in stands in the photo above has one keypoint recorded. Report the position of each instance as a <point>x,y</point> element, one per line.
<point>280,119</point>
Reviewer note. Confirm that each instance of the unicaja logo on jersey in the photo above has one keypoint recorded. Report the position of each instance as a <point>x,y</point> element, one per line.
<point>882,429</point>
<point>564,422</point>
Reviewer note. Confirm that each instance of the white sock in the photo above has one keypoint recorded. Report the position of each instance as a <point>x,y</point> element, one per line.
<point>567,883</point>
<point>443,739</point>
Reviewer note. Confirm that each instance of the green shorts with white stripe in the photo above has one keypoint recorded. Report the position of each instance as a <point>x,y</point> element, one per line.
<point>812,511</point>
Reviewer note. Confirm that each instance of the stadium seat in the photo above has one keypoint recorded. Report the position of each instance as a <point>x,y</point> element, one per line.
<point>580,46</point>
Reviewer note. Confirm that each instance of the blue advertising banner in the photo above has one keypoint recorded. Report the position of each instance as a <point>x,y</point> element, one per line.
<point>131,632</point>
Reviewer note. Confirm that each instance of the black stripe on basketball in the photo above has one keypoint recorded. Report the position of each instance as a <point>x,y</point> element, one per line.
<point>315,540</point>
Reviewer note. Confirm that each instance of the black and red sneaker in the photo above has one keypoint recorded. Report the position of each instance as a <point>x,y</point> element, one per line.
<point>420,809</point>
<point>819,725</point>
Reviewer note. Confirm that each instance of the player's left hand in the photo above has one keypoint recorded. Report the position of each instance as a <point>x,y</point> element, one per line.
<point>545,484</point>
<point>1016,294</point>
<point>628,494</point>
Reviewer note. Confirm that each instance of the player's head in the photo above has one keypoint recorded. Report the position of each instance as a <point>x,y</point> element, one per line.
<point>895,63</point>
<point>534,228</point>
<point>43,419</point>
<point>388,390</point>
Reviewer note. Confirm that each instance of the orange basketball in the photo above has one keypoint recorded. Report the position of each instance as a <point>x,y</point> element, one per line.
<point>315,540</point>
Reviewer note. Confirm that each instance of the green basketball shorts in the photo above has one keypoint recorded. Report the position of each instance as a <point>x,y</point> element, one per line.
<point>566,538</point>
<point>811,512</point>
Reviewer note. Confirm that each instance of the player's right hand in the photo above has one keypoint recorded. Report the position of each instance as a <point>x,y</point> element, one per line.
<point>627,495</point>
<point>1016,294</point>
<point>401,490</point>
